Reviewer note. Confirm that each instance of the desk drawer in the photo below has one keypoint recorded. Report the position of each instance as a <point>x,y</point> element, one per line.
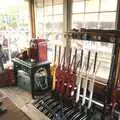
<point>23,80</point>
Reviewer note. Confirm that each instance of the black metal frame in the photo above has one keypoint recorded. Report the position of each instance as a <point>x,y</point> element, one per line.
<point>109,36</point>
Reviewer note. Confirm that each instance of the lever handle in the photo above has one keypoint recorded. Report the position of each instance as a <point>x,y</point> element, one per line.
<point>55,53</point>
<point>96,54</point>
<point>59,54</point>
<point>81,59</point>
<point>88,60</point>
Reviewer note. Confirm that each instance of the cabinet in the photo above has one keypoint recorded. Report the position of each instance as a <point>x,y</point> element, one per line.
<point>23,80</point>
<point>25,72</point>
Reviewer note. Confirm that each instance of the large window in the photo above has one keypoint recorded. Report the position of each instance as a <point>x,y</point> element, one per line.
<point>49,22</point>
<point>96,14</point>
<point>90,14</point>
<point>104,51</point>
<point>15,29</point>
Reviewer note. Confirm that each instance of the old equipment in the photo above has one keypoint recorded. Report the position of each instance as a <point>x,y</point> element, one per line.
<point>58,70</point>
<point>25,75</point>
<point>53,70</point>
<point>76,79</point>
<point>40,78</point>
<point>79,78</point>
<point>38,50</point>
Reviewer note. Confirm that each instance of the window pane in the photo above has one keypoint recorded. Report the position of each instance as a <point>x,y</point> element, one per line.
<point>108,5</point>
<point>77,0</point>
<point>55,2</point>
<point>39,12</point>
<point>58,23</point>
<point>40,29</point>
<point>48,23</point>
<point>104,55</point>
<point>91,17</point>
<point>77,20</point>
<point>107,20</point>
<point>48,10</point>
<point>40,19</point>
<point>90,22</point>
<point>48,19</point>
<point>47,2</point>
<point>58,18</point>
<point>78,7</point>
<point>92,6</point>
<point>15,26</point>
<point>39,3</point>
<point>58,9</point>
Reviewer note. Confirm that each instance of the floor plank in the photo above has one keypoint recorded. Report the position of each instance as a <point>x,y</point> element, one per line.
<point>13,112</point>
<point>23,99</point>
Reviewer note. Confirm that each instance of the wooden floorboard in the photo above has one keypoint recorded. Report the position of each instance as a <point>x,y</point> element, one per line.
<point>23,100</point>
<point>13,113</point>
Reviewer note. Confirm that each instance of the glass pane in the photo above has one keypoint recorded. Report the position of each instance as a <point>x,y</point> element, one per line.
<point>90,22</point>
<point>91,17</point>
<point>40,19</point>
<point>48,10</point>
<point>47,2</point>
<point>58,9</point>
<point>104,55</point>
<point>77,0</point>
<point>108,16</point>
<point>58,18</point>
<point>39,3</point>
<point>58,23</point>
<point>107,25</point>
<point>108,5</point>
<point>48,19</point>
<point>48,23</point>
<point>55,2</point>
<point>92,6</point>
<point>39,12</point>
<point>77,20</point>
<point>15,27</point>
<point>40,29</point>
<point>107,20</point>
<point>78,7</point>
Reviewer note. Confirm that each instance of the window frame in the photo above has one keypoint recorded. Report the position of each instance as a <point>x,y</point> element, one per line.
<point>67,4</point>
